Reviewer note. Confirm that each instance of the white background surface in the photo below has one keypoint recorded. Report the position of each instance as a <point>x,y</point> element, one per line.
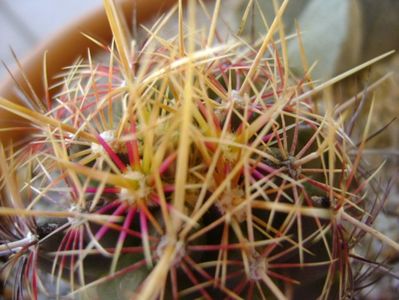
<point>25,23</point>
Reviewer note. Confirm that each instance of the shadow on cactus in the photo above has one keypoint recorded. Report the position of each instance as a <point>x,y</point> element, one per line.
<point>180,170</point>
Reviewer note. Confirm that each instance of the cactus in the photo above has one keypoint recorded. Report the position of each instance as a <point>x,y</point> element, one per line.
<point>181,169</point>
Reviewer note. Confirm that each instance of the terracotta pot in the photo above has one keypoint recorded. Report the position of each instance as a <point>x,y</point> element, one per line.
<point>63,48</point>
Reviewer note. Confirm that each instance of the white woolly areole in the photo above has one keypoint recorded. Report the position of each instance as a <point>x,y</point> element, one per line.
<point>179,249</point>
<point>131,195</point>
<point>31,237</point>
<point>108,136</point>
<point>75,209</point>
<point>71,136</point>
<point>228,203</point>
<point>257,267</point>
<point>237,99</point>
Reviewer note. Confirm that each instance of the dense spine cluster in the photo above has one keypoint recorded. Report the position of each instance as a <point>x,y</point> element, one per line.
<point>178,170</point>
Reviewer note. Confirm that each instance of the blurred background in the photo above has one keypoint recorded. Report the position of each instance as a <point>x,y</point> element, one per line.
<point>337,33</point>
<point>26,23</point>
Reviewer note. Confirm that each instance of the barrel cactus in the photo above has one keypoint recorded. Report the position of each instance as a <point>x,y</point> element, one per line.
<point>183,168</point>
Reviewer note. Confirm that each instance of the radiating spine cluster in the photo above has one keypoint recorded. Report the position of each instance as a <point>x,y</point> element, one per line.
<point>180,170</point>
